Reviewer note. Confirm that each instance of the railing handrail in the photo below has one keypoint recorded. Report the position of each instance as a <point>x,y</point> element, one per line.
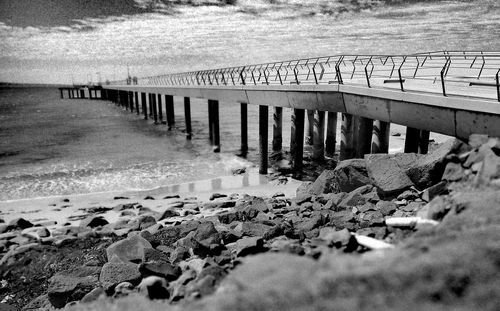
<point>432,65</point>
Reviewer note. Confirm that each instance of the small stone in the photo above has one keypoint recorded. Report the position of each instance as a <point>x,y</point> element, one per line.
<point>43,232</point>
<point>149,198</point>
<point>154,287</point>
<point>123,289</point>
<point>93,295</point>
<point>217,195</point>
<point>175,196</point>
<point>453,172</point>
<point>386,207</point>
<point>19,224</point>
<point>120,198</point>
<point>154,255</point>
<point>163,269</point>
<point>413,207</point>
<point>93,222</point>
<point>168,213</point>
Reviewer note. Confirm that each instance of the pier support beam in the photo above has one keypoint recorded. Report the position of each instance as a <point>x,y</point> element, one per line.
<point>136,97</point>
<point>155,110</point>
<point>131,101</point>
<point>214,104</point>
<point>82,93</point>
<point>169,111</point>
<point>412,140</point>
<point>210,121</point>
<point>347,137</point>
<point>277,128</point>
<point>263,138</point>
<point>160,112</point>
<point>244,128</point>
<point>144,107</point>
<point>187,116</point>
<point>423,143</point>
<point>310,127</point>
<point>62,95</point>
<point>380,136</point>
<point>297,141</point>
<point>331,134</point>
<point>150,102</point>
<point>363,137</point>
<point>319,136</point>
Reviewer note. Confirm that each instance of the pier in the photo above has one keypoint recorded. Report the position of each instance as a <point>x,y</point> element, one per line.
<point>456,93</point>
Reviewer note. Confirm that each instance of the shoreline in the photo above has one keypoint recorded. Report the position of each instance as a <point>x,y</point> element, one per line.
<point>54,208</point>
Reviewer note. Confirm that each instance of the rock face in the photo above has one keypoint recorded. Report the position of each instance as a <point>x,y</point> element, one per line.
<point>347,176</point>
<point>129,249</point>
<point>387,176</point>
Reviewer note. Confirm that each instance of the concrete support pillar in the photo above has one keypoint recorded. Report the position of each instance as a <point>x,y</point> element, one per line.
<point>380,136</point>
<point>90,93</point>
<point>331,134</point>
<point>244,128</point>
<point>423,144</point>
<point>144,106</point>
<point>61,92</point>
<point>310,127</point>
<point>210,121</point>
<point>319,136</point>
<point>263,138</point>
<point>187,116</point>
<point>347,137</point>
<point>363,138</point>
<point>215,125</point>
<point>293,130</point>
<point>130,101</point>
<point>277,128</point>
<point>82,93</point>
<point>136,99</point>
<point>412,140</point>
<point>160,112</point>
<point>124,99</point>
<point>169,111</point>
<point>298,140</point>
<point>150,102</point>
<point>155,109</point>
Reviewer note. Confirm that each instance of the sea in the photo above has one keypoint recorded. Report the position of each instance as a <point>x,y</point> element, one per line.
<point>51,146</point>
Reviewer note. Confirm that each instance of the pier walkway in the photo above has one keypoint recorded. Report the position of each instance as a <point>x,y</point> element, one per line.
<point>455,93</point>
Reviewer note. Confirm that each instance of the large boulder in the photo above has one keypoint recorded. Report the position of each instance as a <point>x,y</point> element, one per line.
<point>387,176</point>
<point>116,272</point>
<point>72,285</point>
<point>347,176</point>
<point>428,169</point>
<point>129,249</point>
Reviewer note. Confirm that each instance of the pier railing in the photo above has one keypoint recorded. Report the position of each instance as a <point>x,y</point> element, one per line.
<point>442,68</point>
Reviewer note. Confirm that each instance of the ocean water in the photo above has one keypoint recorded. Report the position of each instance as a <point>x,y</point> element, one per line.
<point>51,147</point>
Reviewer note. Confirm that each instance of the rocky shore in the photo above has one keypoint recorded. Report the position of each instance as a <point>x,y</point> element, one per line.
<point>385,232</point>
